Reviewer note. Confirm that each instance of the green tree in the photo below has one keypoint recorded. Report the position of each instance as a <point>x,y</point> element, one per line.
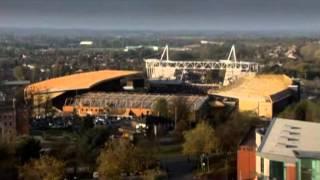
<point>27,149</point>
<point>45,168</point>
<point>6,158</point>
<point>304,110</point>
<point>161,107</point>
<point>86,123</point>
<point>201,139</point>
<point>91,142</point>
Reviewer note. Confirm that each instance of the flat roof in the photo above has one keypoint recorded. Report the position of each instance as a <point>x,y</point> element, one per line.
<point>259,86</point>
<point>77,81</point>
<point>308,154</point>
<point>285,136</point>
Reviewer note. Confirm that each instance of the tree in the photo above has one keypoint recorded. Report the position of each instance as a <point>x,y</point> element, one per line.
<point>18,73</point>
<point>161,107</point>
<point>304,110</point>
<point>35,72</point>
<point>181,112</point>
<point>91,142</point>
<point>86,123</point>
<point>231,132</point>
<point>120,156</point>
<point>201,139</point>
<point>27,149</point>
<point>8,168</point>
<point>45,168</point>
<point>6,157</point>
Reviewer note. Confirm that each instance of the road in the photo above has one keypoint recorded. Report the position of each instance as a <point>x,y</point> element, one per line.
<point>178,167</point>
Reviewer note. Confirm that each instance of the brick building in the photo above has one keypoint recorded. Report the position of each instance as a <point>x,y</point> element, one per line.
<point>289,150</point>
<point>7,122</point>
<point>286,150</point>
<point>246,154</point>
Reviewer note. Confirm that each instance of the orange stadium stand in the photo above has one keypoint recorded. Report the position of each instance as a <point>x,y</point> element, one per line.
<point>75,82</point>
<point>258,93</point>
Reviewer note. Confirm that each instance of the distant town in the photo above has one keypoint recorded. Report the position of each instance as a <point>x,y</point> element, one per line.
<point>164,106</point>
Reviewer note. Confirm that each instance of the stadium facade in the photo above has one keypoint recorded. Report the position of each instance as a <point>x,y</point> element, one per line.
<point>265,95</point>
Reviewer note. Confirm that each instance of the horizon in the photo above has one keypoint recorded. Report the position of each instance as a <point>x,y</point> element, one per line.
<point>174,15</point>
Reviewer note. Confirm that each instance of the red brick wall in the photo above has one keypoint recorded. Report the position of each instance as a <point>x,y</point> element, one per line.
<point>291,172</point>
<point>8,124</point>
<point>246,163</point>
<point>23,125</point>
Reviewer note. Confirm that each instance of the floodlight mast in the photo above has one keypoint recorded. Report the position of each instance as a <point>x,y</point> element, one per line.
<point>165,52</point>
<point>232,53</point>
<point>158,69</point>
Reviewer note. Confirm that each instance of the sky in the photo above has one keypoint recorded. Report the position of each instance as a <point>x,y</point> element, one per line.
<point>162,14</point>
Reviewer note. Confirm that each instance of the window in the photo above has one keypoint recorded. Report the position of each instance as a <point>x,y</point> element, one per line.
<point>277,170</point>
<point>291,146</point>
<point>310,169</point>
<point>294,133</point>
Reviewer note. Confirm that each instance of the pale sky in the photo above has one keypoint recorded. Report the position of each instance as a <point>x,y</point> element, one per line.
<point>162,14</point>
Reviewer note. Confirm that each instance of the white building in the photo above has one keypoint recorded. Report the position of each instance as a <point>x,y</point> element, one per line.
<point>86,43</point>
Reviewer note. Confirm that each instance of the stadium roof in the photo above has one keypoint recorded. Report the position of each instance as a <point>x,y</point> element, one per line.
<point>259,86</point>
<point>285,137</point>
<point>77,81</point>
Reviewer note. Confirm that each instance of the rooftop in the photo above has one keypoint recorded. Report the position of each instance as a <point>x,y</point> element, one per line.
<point>77,81</point>
<point>285,136</point>
<point>259,86</point>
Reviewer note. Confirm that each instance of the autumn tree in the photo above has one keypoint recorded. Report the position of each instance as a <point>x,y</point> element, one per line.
<point>161,107</point>
<point>201,139</point>
<point>304,110</point>
<point>231,132</point>
<point>18,73</point>
<point>180,111</point>
<point>120,156</point>
<point>45,168</point>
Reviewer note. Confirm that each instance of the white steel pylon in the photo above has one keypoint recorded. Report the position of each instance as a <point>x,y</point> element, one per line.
<point>232,53</point>
<point>165,52</point>
<point>158,69</point>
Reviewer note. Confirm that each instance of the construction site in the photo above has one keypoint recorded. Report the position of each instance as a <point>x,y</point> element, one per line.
<point>128,93</point>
